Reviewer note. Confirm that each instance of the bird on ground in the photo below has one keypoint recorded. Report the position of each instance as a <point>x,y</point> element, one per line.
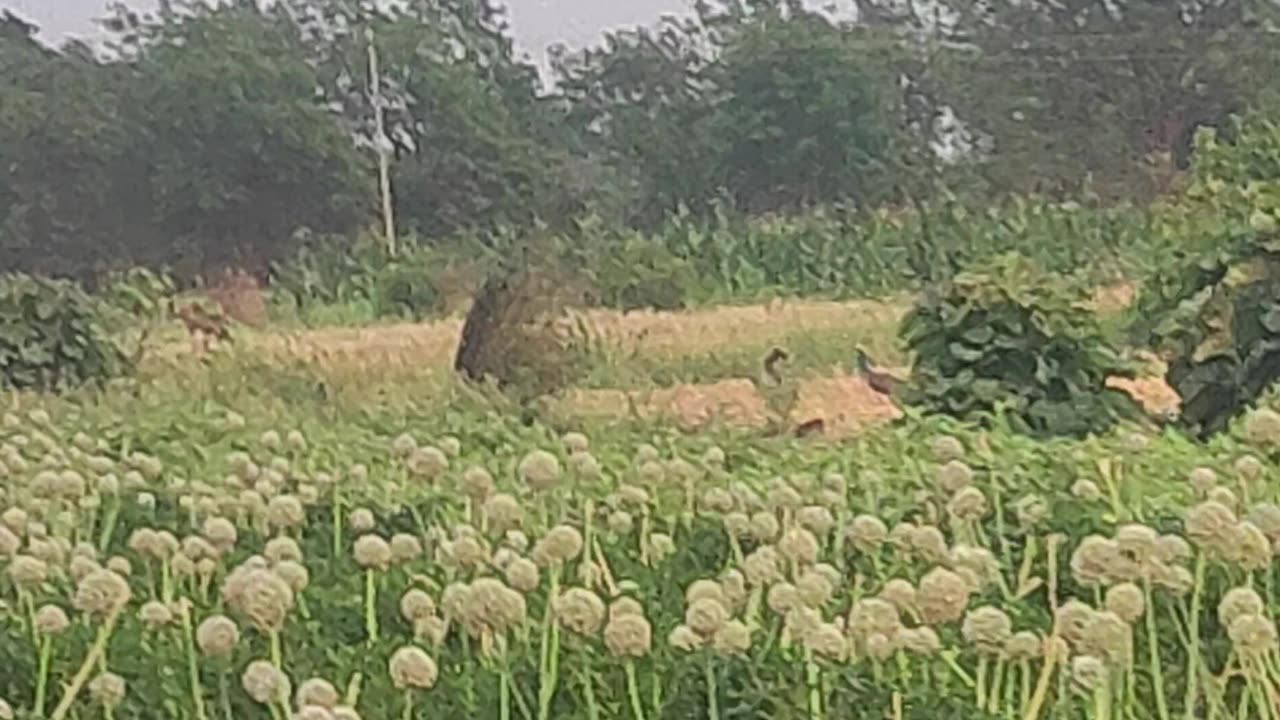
<point>781,394</point>
<point>882,382</point>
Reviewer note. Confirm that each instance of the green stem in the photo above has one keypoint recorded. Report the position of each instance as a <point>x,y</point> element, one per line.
<point>224,697</point>
<point>109,525</point>
<point>96,651</point>
<point>504,697</point>
<point>993,698</point>
<point>408,705</point>
<point>277,653</point>
<point>370,606</point>
<point>193,670</point>
<point>980,684</point>
<point>633,691</point>
<point>589,687</point>
<point>813,680</point>
<point>337,523</point>
<point>42,674</point>
<point>549,663</point>
<point>1024,690</point>
<point>1153,654</point>
<point>1193,637</point>
<point>713,699</point>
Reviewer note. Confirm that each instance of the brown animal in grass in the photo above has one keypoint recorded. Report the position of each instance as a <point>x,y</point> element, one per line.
<point>773,375</point>
<point>879,380</point>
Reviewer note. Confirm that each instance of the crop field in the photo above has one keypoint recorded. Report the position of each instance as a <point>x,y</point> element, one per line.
<point>285,532</point>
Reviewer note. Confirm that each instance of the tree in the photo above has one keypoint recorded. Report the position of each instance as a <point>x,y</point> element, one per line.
<point>240,155</point>
<point>762,101</point>
<point>807,114</point>
<point>463,114</point>
<point>1072,95</point>
<point>67,182</point>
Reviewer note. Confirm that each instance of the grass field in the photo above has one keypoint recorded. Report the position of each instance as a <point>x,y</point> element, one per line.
<point>324,524</point>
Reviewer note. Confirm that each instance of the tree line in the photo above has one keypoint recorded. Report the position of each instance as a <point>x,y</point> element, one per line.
<point>206,137</point>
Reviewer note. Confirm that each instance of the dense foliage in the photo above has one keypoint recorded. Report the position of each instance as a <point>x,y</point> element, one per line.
<point>208,137</point>
<point>1214,311</point>
<point>1014,341</point>
<point>50,337</point>
<point>164,556</point>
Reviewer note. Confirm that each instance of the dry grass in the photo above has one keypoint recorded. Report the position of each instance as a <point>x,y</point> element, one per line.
<point>355,359</point>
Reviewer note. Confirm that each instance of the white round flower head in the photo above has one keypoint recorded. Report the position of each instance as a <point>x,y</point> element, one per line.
<point>628,636</point>
<point>954,475</point>
<point>405,548</point>
<point>946,448</point>
<point>503,511</point>
<point>286,511</point>
<point>416,604</point>
<point>586,466</point>
<point>943,596</point>
<point>343,712</point>
<point>1252,636</point>
<point>661,546</point>
<point>51,620</point>
<point>1262,428</point>
<point>579,610</point>
<point>684,639</point>
<point>450,446</point>
<point>270,440</point>
<point>1086,490</point>
<point>319,692</point>
<point>412,668</point>
<point>1087,673</point>
<point>1249,468</point>
<point>1238,602</point>
<point>282,548</point>
<point>27,571</point>
<point>706,616</point>
<point>107,689</point>
<point>988,629</point>
<point>1203,479</point>
<point>217,636</point>
<point>295,574</point>
<point>403,445</point>
<point>428,463</point>
<point>265,683</point>
<point>101,593</point>
<point>220,533</point>
<point>522,575</point>
<point>540,470</point>
<point>868,533</point>
<point>799,546</point>
<point>477,483</point>
<point>6,711</point>
<point>361,520</point>
<point>1127,601</point>
<point>372,552</point>
<point>575,442</point>
<point>155,614</point>
<point>816,519</point>
<point>10,543</point>
<point>296,441</point>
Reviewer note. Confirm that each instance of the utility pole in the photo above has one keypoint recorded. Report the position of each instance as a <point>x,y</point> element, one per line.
<point>381,141</point>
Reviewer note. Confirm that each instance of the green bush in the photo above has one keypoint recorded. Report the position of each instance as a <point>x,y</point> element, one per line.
<point>332,272</point>
<point>50,336</point>
<point>1017,341</point>
<point>1213,310</point>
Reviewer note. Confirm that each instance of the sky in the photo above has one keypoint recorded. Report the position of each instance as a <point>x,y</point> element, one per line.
<point>536,23</point>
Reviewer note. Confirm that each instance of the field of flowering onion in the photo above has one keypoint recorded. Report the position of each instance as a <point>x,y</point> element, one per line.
<point>221,569</point>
